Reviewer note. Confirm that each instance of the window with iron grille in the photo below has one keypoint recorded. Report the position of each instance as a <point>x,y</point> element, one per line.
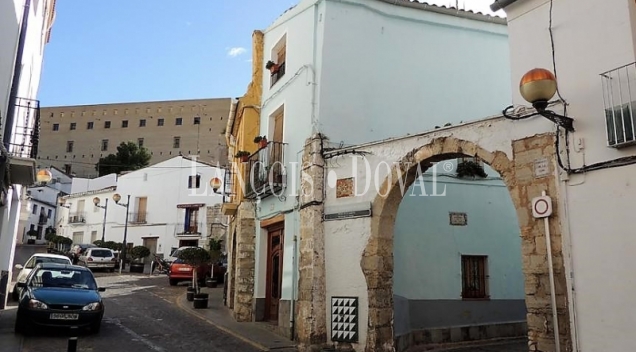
<point>124,124</point>
<point>197,120</point>
<point>142,123</point>
<point>474,276</point>
<point>140,142</point>
<point>56,127</point>
<point>104,145</point>
<point>194,181</point>
<point>69,146</point>
<point>73,126</point>
<point>159,122</point>
<point>178,121</point>
<point>176,142</point>
<point>89,125</point>
<point>106,124</point>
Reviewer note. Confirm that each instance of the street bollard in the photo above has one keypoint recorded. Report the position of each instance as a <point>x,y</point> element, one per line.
<point>121,263</point>
<point>152,265</point>
<point>72,340</point>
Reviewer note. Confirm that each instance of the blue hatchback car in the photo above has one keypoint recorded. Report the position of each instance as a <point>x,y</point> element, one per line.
<point>59,295</point>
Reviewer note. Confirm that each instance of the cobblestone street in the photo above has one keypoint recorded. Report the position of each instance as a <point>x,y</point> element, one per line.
<point>141,315</point>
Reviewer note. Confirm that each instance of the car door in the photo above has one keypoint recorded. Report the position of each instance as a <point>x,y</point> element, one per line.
<point>26,269</point>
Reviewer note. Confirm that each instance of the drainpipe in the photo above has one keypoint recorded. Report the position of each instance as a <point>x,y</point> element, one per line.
<point>230,123</point>
<point>292,313</point>
<point>17,72</point>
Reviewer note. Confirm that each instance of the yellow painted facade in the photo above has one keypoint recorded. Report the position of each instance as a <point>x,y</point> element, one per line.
<point>245,125</point>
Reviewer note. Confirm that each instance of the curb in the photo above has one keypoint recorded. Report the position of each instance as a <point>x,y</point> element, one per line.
<point>222,328</point>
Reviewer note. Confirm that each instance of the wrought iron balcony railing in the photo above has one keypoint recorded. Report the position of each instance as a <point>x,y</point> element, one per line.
<point>138,218</point>
<point>43,219</point>
<point>276,76</point>
<point>619,98</point>
<point>26,132</point>
<point>76,218</point>
<point>265,171</point>
<point>189,229</point>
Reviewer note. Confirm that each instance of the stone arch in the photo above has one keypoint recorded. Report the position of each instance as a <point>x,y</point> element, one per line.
<point>377,257</point>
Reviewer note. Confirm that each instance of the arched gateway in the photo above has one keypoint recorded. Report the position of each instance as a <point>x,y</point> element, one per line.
<point>518,174</point>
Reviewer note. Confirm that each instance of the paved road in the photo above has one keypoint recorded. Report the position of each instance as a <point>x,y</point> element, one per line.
<point>141,316</point>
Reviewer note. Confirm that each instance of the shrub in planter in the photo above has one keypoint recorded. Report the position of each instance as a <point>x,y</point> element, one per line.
<point>271,66</point>
<point>138,253</point>
<point>261,141</point>
<point>195,257</point>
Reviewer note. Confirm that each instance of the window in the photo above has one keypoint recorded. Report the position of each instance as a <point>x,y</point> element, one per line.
<point>73,126</point>
<point>142,123</point>
<point>124,123</point>
<point>104,145</point>
<point>140,142</point>
<point>35,209</point>
<point>191,220</point>
<point>56,127</point>
<point>194,181</point>
<point>89,125</point>
<point>197,120</point>
<point>277,121</point>
<point>474,277</point>
<point>176,142</point>
<point>178,121</point>
<point>106,124</point>
<point>69,146</point>
<point>50,213</point>
<point>94,234</point>
<point>159,122</point>
<point>67,169</point>
<point>278,57</point>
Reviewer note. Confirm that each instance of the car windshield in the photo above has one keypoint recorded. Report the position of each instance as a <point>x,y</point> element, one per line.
<point>102,253</point>
<point>38,260</point>
<point>68,278</point>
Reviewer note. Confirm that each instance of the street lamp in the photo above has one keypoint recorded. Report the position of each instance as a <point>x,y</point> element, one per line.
<point>43,176</point>
<point>117,198</point>
<point>96,201</point>
<point>537,87</point>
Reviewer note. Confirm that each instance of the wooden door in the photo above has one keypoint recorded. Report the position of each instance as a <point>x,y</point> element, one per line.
<point>151,244</point>
<point>141,209</point>
<point>274,272</point>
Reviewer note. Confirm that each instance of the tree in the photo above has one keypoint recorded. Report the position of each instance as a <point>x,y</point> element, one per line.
<point>129,157</point>
<point>195,257</point>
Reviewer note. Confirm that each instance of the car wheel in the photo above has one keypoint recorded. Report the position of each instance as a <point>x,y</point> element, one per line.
<point>96,326</point>
<point>173,282</point>
<point>20,324</point>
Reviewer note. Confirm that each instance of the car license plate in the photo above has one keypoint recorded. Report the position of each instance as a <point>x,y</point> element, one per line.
<point>184,269</point>
<point>64,316</point>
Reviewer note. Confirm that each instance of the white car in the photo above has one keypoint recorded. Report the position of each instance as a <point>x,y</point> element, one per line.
<point>98,258</point>
<point>31,263</point>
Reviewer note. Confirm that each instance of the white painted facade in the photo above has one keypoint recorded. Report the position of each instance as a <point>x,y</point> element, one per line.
<point>165,186</point>
<point>93,184</point>
<point>37,33</point>
<point>39,211</point>
<point>355,68</point>
<point>590,38</point>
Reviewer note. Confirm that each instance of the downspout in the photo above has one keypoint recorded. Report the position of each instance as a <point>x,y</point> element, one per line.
<point>17,72</point>
<point>500,4</point>
<point>230,122</point>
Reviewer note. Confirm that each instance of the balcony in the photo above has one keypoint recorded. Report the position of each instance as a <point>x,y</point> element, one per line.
<point>276,76</point>
<point>42,220</point>
<point>619,99</point>
<point>189,229</point>
<point>138,218</point>
<point>77,218</point>
<point>229,205</point>
<point>23,145</point>
<point>265,172</point>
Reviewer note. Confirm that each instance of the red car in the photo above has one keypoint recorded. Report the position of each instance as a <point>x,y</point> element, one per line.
<point>179,271</point>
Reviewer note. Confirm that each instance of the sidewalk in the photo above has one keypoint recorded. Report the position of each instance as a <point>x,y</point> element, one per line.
<point>10,342</point>
<point>220,317</point>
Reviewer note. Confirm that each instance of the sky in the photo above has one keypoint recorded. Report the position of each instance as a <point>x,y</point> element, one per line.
<point>119,51</point>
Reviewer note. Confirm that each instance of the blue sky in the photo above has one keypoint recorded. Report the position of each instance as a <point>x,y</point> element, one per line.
<point>131,50</point>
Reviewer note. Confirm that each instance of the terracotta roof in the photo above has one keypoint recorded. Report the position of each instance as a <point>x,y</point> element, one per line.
<point>425,4</point>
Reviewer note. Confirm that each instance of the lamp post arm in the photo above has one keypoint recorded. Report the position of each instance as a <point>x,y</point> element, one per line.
<point>104,222</point>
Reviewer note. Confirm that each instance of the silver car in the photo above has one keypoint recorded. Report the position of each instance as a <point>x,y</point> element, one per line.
<point>98,258</point>
<point>35,259</point>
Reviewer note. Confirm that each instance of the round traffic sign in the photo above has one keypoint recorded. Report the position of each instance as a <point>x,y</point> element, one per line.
<point>541,206</point>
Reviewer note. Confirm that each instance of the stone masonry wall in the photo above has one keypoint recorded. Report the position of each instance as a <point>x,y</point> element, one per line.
<point>245,263</point>
<point>311,306</point>
<point>518,174</point>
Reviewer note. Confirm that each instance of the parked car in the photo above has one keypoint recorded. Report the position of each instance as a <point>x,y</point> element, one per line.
<point>180,271</point>
<point>35,259</point>
<point>60,295</point>
<point>98,258</point>
<point>78,250</point>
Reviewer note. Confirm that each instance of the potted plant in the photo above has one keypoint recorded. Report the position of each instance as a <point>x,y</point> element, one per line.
<point>216,246</point>
<point>138,253</point>
<point>261,140</point>
<point>470,168</point>
<point>243,155</point>
<point>196,257</point>
<point>32,235</point>
<point>271,66</point>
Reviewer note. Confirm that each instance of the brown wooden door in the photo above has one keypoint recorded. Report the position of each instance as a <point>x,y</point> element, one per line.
<point>141,209</point>
<point>274,272</point>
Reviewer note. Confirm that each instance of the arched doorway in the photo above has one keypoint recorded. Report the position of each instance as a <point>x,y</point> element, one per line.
<point>377,257</point>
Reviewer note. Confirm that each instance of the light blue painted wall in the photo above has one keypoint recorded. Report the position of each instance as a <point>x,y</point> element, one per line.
<point>427,249</point>
<point>389,70</point>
